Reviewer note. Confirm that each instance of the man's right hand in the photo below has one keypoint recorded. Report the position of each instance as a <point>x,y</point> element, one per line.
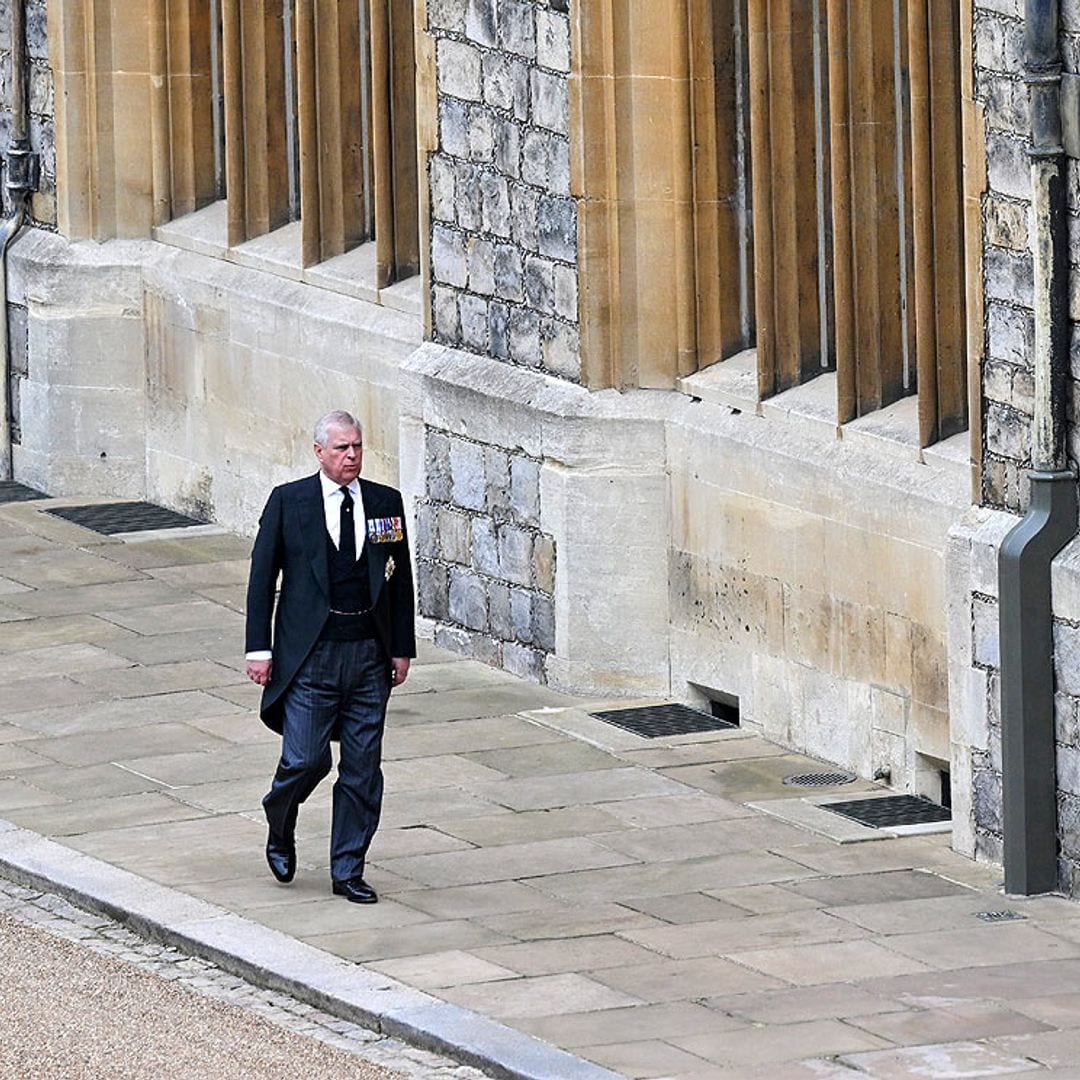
<point>258,671</point>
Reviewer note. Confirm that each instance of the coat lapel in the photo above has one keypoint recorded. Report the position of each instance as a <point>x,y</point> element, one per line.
<point>376,553</point>
<point>311,524</point>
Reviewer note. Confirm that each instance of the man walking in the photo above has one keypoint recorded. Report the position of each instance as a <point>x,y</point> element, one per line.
<point>343,635</point>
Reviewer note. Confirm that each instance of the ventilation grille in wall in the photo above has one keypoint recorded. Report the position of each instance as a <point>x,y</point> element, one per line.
<point>10,491</point>
<point>656,721</point>
<point>890,811</point>
<point>110,518</point>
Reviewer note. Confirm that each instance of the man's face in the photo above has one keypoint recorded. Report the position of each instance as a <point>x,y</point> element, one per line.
<point>342,455</point>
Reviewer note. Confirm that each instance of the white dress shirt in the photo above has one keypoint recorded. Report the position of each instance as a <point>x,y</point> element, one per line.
<point>332,508</point>
<point>332,497</point>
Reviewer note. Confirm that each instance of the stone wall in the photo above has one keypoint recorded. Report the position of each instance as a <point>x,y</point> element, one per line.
<point>42,124</point>
<point>503,223</point>
<point>189,380</point>
<point>1008,381</point>
<point>486,570</point>
<point>976,691</point>
<point>1008,402</point>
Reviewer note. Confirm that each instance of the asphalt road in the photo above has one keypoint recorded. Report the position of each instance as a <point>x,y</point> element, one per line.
<point>69,1012</point>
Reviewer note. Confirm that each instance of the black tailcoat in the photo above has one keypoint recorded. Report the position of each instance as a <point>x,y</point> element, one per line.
<point>291,543</point>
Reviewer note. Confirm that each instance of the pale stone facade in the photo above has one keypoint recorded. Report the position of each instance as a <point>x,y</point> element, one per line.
<point>595,503</point>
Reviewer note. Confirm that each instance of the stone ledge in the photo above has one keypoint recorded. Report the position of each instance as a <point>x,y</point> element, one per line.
<point>273,960</point>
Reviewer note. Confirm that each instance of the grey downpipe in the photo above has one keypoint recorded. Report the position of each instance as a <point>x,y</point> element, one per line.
<point>1029,770</point>
<point>22,180</point>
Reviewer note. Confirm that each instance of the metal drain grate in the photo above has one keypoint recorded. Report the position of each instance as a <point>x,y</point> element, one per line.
<point>820,779</point>
<point>11,491</point>
<point>999,916</point>
<point>109,518</point>
<point>890,811</point>
<point>655,721</point>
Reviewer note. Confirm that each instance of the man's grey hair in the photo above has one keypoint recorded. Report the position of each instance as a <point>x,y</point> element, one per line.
<point>339,418</point>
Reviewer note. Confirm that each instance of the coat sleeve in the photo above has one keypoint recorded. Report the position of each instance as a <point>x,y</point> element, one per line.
<point>402,599</point>
<point>266,558</point>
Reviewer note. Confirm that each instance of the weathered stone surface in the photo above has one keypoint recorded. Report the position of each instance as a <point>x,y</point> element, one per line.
<point>454,127</point>
<point>485,547</point>
<point>1008,432</point>
<point>509,284</point>
<point>469,199</point>
<point>544,561</point>
<point>987,800</point>
<point>566,292</point>
<point>561,348</point>
<point>448,259</point>
<point>525,490</point>
<point>540,284</point>
<point>442,178</point>
<point>515,555</point>
<point>521,614</point>
<point>481,135</point>
<point>550,103</point>
<point>481,262</point>
<point>999,45</point>
<point>447,15</point>
<point>556,225</point>
<point>445,311</point>
<point>524,206</point>
<point>506,84</point>
<point>543,623</point>
<point>458,65</point>
<point>525,336</point>
<point>496,205</point>
<point>552,40</point>
<point>432,589</point>
<point>1067,658</point>
<point>437,470</point>
<point>468,600</point>
<point>1008,167</point>
<point>517,27</point>
<point>499,331</point>
<point>474,321</point>
<point>1010,333</point>
<point>1009,276</point>
<point>467,474</point>
<point>497,473</point>
<point>454,535</point>
<point>499,617</point>
<point>1006,224</point>
<point>507,153</point>
<point>985,628</point>
<point>524,662</point>
<point>480,21</point>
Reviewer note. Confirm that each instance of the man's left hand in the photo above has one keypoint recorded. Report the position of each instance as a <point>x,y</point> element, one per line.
<point>399,670</point>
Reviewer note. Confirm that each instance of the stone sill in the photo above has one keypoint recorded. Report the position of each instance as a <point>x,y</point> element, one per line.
<point>352,274</point>
<point>812,407</point>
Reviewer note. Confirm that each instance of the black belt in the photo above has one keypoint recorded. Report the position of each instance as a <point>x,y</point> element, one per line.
<point>348,626</point>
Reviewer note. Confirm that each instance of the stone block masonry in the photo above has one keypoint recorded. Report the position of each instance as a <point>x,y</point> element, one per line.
<point>40,96</point>
<point>503,221</point>
<point>486,570</point>
<point>1008,390</point>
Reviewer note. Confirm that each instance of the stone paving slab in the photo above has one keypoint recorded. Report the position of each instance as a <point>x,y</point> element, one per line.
<point>279,962</point>
<point>663,908</point>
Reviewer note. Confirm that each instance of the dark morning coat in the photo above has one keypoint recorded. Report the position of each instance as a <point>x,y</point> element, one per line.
<point>292,543</point>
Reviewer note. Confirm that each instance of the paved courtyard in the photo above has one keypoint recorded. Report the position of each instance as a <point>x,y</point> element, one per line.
<point>664,908</point>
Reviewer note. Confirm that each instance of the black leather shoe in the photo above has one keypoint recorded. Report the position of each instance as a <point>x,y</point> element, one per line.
<point>356,890</point>
<point>281,858</point>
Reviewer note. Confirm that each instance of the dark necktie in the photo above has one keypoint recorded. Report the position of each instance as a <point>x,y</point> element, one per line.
<point>347,539</point>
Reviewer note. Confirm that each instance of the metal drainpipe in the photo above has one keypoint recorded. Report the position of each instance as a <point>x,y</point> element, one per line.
<point>22,180</point>
<point>1029,772</point>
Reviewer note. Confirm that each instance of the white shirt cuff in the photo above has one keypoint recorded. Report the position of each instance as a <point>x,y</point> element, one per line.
<point>260,654</point>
